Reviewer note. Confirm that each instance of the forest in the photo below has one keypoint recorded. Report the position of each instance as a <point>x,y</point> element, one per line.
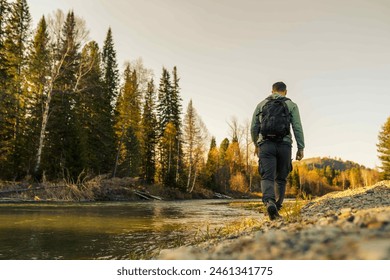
<point>67,111</point>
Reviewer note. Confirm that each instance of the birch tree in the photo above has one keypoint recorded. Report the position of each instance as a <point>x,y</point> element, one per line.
<point>63,50</point>
<point>194,140</point>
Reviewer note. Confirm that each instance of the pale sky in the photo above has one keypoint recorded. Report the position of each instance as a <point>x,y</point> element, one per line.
<point>333,55</point>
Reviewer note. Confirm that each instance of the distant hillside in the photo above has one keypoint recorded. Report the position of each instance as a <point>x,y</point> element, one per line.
<point>318,176</point>
<point>336,164</point>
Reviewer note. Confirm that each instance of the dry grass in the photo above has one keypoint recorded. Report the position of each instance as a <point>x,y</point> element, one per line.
<point>71,191</point>
<point>291,211</point>
<point>232,229</point>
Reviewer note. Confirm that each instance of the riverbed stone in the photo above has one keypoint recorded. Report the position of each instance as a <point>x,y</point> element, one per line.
<point>351,224</point>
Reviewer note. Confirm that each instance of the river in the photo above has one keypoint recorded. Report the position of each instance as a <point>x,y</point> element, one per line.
<point>120,230</point>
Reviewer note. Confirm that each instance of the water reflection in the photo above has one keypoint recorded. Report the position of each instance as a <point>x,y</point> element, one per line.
<point>106,230</point>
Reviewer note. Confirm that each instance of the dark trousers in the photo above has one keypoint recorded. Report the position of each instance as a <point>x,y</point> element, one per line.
<point>274,167</point>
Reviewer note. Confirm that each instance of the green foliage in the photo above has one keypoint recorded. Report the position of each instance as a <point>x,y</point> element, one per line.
<point>149,135</point>
<point>384,149</point>
<point>169,118</point>
<point>110,69</point>
<point>130,161</point>
<point>212,165</point>
<point>127,125</point>
<point>62,154</point>
<point>93,114</point>
<point>16,21</point>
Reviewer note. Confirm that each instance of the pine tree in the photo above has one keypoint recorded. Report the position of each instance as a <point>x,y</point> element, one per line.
<point>110,75</point>
<point>93,115</point>
<point>384,149</point>
<point>110,70</point>
<point>176,101</point>
<point>164,111</point>
<point>69,51</point>
<point>169,112</point>
<point>149,135</point>
<point>128,125</point>
<point>39,67</point>
<point>17,32</point>
<point>177,110</point>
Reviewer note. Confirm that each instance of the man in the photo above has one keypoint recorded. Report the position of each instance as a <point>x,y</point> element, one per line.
<point>273,146</point>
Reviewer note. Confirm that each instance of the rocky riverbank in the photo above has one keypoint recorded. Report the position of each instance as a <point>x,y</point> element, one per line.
<point>352,224</point>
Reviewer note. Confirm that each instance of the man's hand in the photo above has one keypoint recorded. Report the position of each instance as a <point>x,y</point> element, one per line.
<point>299,154</point>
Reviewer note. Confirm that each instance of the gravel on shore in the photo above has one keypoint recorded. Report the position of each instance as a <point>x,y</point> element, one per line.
<point>352,224</point>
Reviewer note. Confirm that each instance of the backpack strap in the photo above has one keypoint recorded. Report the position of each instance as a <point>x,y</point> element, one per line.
<point>284,99</point>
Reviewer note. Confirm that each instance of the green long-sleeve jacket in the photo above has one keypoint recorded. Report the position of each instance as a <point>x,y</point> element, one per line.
<point>295,123</point>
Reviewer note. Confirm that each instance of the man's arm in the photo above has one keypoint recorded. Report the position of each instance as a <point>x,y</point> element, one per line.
<point>297,128</point>
<point>255,125</point>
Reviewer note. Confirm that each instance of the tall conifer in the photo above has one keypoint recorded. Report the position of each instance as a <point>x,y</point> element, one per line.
<point>94,129</point>
<point>169,116</point>
<point>110,69</point>
<point>164,110</point>
<point>149,135</point>
<point>128,125</point>
<point>18,35</point>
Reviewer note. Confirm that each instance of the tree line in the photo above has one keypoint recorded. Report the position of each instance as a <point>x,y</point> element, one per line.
<point>67,111</point>
<point>318,176</point>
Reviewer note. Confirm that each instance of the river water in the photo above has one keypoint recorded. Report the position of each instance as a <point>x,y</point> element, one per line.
<point>121,230</point>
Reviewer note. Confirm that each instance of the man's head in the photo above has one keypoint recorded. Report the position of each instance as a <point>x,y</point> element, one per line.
<point>280,88</point>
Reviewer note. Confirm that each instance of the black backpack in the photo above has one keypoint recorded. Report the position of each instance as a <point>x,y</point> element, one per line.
<point>275,119</point>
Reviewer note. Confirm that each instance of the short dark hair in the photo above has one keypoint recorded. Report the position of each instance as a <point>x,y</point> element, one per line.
<point>279,87</point>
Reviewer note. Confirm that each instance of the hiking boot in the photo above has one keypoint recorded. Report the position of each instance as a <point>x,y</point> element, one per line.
<point>272,210</point>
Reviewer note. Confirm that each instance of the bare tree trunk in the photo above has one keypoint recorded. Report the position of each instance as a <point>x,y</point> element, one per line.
<point>169,156</point>
<point>189,178</point>
<point>178,157</point>
<point>45,118</point>
<point>193,182</point>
